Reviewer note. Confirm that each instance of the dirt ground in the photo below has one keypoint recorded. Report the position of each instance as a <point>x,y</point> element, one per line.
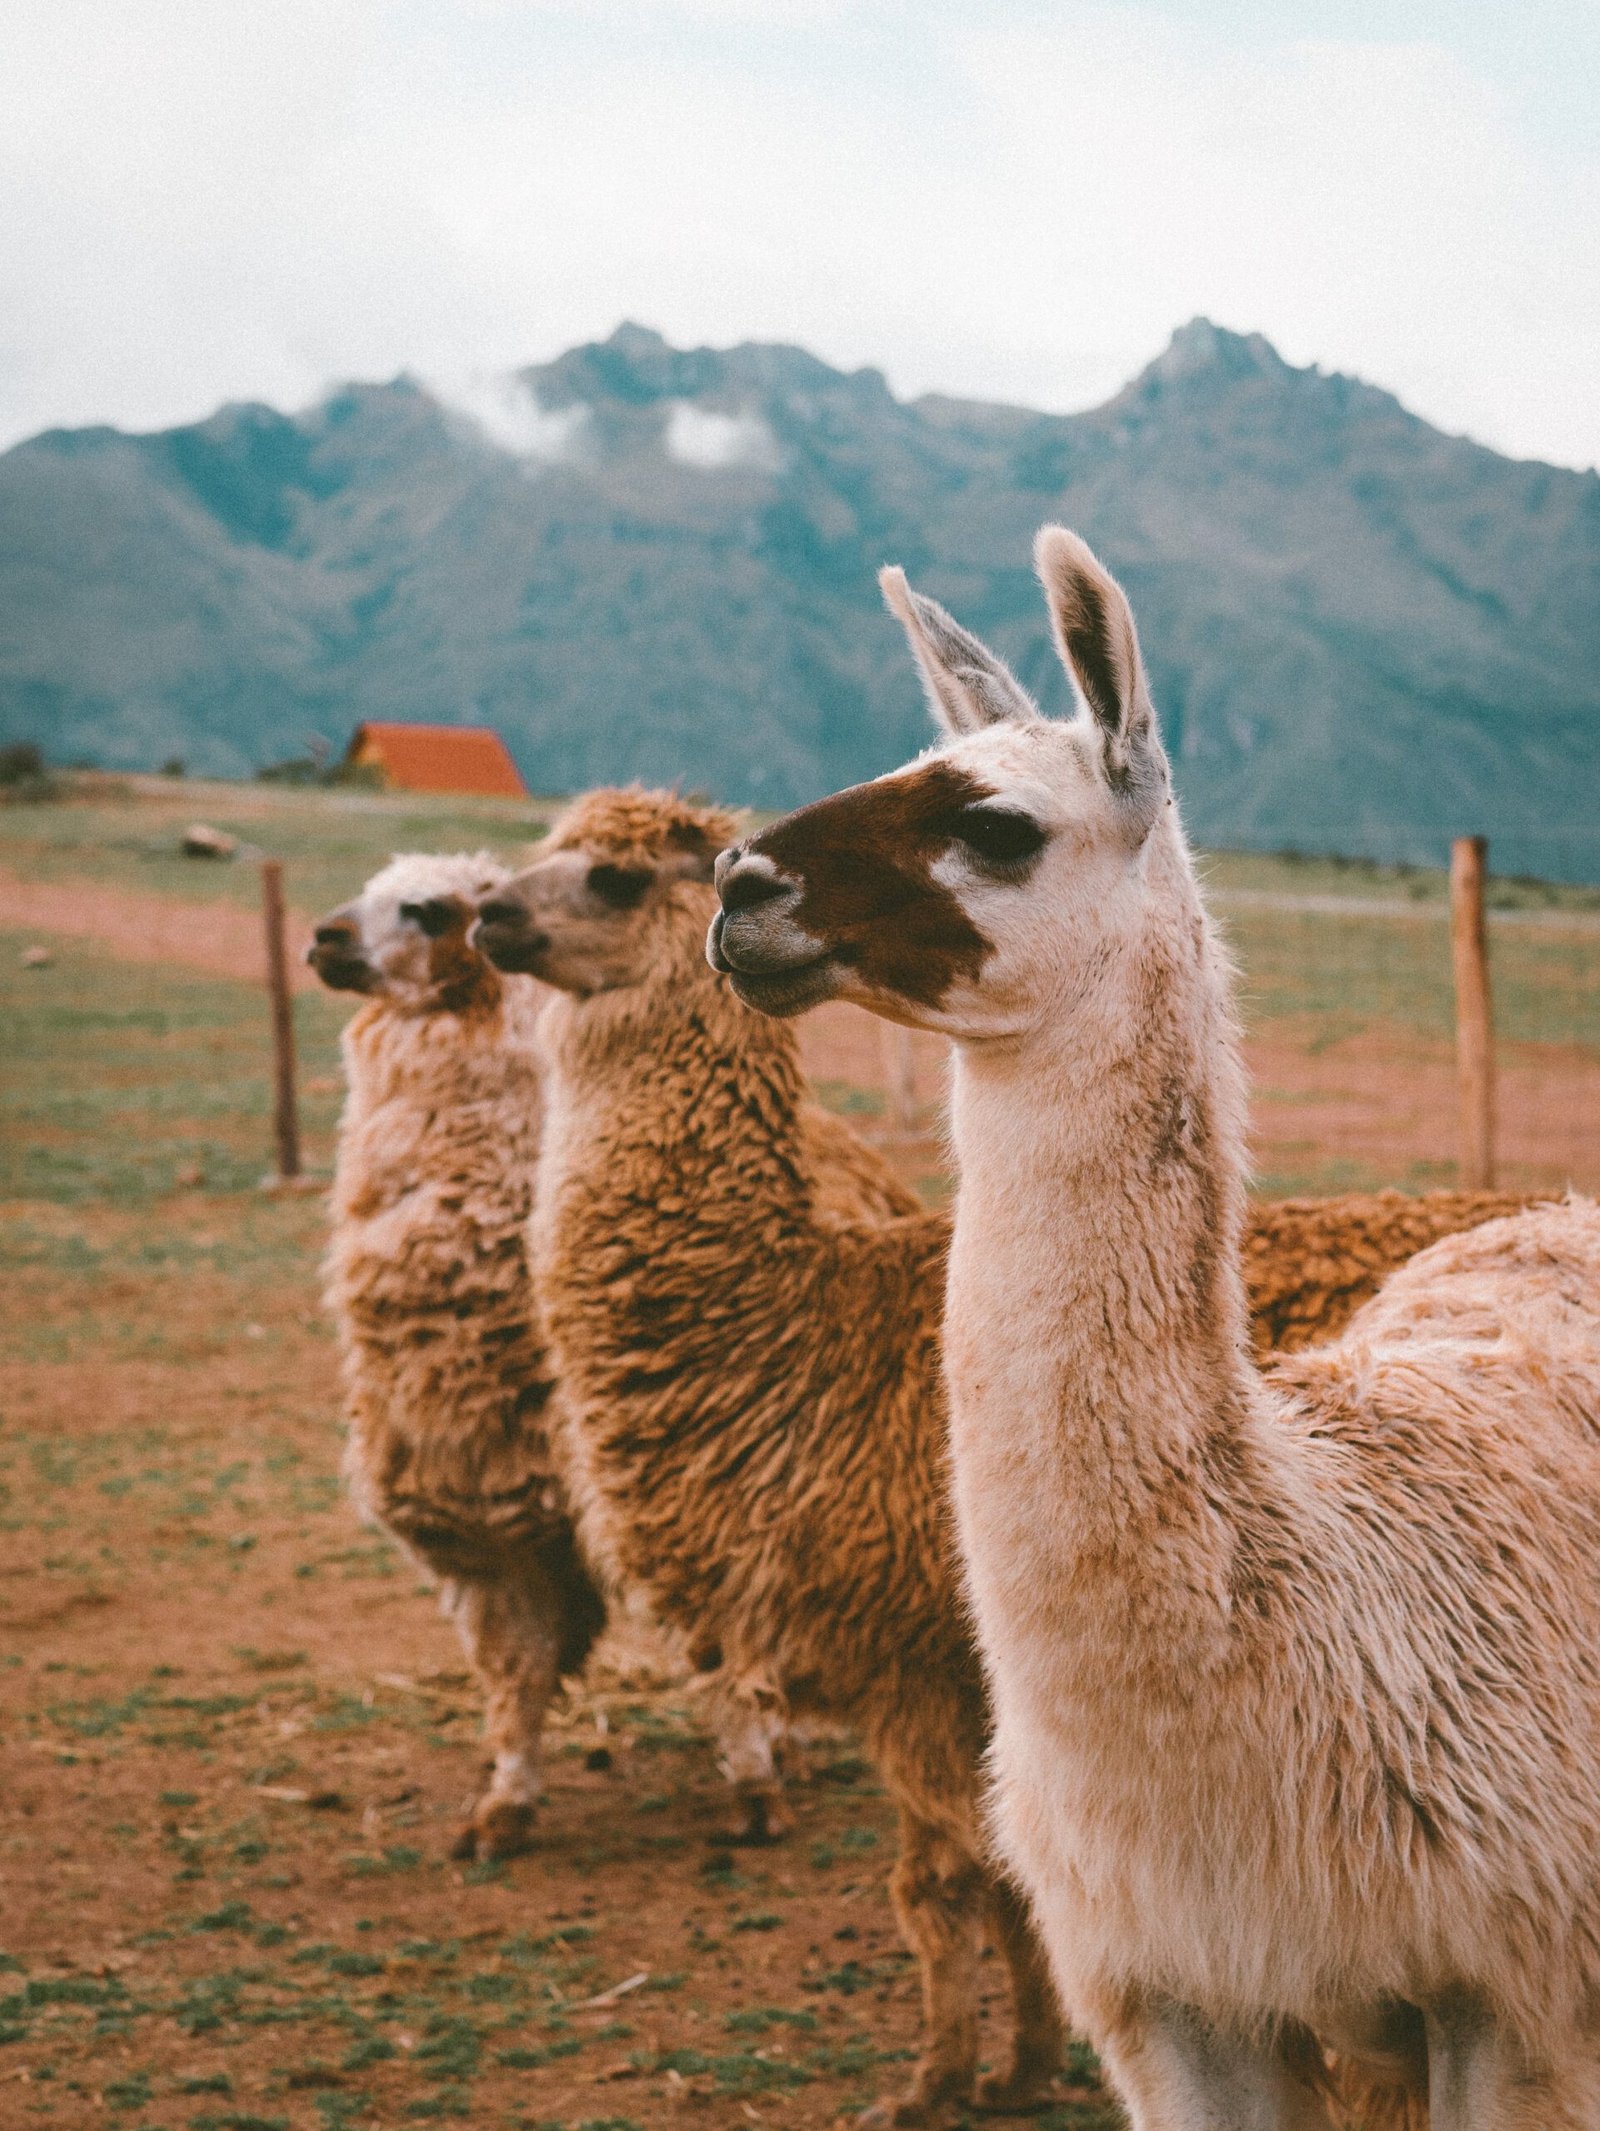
<point>221,939</point>
<point>237,1737</point>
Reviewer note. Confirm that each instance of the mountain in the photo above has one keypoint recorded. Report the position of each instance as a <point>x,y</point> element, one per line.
<point>637,560</point>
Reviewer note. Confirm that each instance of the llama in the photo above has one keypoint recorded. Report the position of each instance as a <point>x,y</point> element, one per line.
<point>447,1384</point>
<point>1296,1671</point>
<point>752,1382</point>
<point>455,1443</point>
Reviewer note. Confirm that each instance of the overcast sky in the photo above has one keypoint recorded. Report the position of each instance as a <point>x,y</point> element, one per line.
<point>225,199</point>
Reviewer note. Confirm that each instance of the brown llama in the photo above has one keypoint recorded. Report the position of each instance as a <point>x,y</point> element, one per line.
<point>1296,1670</point>
<point>753,1383</point>
<point>455,1443</point>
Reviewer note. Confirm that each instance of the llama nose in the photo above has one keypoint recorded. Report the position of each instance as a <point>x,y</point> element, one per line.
<point>508,936</point>
<point>504,915</point>
<point>749,882</point>
<point>334,932</point>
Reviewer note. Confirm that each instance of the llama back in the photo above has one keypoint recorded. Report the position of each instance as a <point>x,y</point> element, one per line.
<point>1513,1303</point>
<point>1310,1263</point>
<point>1473,1378</point>
<point>851,1181</point>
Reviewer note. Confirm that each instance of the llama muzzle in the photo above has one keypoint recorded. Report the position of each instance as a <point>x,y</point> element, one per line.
<point>774,963</point>
<point>505,933</point>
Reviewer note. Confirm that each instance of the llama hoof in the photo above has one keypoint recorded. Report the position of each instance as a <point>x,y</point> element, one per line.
<point>1014,2093</point>
<point>923,2111</point>
<point>495,1832</point>
<point>766,1821</point>
<point>900,2115</point>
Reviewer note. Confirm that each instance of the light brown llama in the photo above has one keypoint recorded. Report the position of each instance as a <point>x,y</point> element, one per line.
<point>1296,1672</point>
<point>448,1387</point>
<point>455,1443</point>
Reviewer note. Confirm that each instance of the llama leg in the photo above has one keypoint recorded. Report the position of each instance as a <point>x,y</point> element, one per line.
<point>938,1890</point>
<point>1479,2081</point>
<point>1039,2032</point>
<point>516,1632</point>
<point>1174,2071</point>
<point>747,1715</point>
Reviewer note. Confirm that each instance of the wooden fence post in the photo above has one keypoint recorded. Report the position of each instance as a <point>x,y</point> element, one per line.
<point>1474,1011</point>
<point>285,1113</point>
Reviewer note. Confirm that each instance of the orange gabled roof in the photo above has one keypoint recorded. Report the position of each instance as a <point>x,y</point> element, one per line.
<point>439,758</point>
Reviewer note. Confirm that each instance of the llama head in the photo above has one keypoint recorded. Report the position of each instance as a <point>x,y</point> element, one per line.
<point>974,888</point>
<point>404,937</point>
<point>618,896</point>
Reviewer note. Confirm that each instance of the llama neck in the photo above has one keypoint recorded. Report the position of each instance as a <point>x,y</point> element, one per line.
<point>1096,1332</point>
<point>678,1083</point>
<point>395,1051</point>
<point>457,1094</point>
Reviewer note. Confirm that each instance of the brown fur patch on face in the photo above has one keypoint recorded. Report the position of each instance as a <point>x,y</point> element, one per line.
<point>628,826</point>
<point>458,976</point>
<point>865,859</point>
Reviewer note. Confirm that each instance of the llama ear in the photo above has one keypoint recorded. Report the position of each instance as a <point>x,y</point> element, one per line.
<point>967,686</point>
<point>1099,645</point>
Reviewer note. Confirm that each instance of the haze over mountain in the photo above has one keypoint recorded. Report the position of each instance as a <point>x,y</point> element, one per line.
<point>1363,635</point>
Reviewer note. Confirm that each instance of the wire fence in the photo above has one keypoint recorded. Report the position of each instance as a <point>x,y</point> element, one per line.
<point>1352,1043</point>
<point>1349,1004</point>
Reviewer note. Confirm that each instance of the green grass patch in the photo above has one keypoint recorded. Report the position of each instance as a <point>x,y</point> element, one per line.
<point>1352,973</point>
<point>126,1082</point>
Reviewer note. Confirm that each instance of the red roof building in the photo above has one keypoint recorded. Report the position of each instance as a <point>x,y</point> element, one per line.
<point>470,759</point>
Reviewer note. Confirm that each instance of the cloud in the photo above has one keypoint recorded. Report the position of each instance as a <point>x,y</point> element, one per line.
<point>1015,201</point>
<point>507,412</point>
<point>698,436</point>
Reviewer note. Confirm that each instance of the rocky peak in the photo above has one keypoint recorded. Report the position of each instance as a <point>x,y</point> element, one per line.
<point>1201,348</point>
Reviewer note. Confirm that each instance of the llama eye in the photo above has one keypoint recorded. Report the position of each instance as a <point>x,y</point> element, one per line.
<point>434,917</point>
<point>622,887</point>
<point>999,837</point>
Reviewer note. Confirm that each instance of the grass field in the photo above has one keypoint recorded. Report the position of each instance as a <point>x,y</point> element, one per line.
<point>1345,972</point>
<point>121,1079</point>
<point>235,1733</point>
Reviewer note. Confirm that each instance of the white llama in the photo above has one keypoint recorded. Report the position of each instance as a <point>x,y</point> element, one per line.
<point>1296,1672</point>
<point>449,1393</point>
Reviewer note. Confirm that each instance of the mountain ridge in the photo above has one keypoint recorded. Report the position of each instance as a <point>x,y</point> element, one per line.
<point>1364,635</point>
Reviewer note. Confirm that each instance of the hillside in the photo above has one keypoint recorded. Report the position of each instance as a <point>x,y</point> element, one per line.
<point>637,560</point>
